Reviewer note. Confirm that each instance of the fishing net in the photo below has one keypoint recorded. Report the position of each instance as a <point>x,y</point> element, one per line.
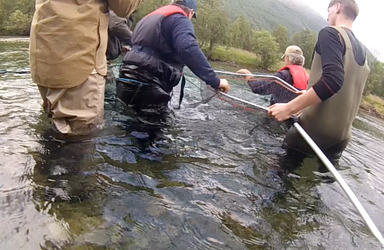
<point>241,96</point>
<point>276,89</point>
<point>239,103</point>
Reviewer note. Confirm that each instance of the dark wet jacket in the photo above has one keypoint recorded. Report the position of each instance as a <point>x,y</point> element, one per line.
<point>295,75</point>
<point>163,43</point>
<point>119,34</point>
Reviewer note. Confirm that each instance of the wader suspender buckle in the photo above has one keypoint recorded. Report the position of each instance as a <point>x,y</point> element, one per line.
<point>136,92</point>
<point>133,82</point>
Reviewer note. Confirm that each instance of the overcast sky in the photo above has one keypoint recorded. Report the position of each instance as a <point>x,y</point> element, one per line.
<point>368,25</point>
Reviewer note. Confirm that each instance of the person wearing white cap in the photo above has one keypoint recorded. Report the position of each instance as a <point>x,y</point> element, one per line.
<point>293,73</point>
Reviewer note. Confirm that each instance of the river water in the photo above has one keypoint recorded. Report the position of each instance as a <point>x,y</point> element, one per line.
<point>207,177</point>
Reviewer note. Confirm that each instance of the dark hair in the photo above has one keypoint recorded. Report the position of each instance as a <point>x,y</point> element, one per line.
<point>183,7</point>
<point>348,7</point>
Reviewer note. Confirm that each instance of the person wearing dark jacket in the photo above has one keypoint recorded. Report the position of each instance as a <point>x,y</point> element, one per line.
<point>293,73</point>
<point>119,35</point>
<point>163,43</point>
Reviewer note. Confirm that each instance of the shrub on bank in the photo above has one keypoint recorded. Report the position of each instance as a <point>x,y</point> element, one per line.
<point>236,56</point>
<point>373,104</point>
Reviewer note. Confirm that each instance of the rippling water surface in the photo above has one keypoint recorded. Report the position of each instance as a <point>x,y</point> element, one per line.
<point>207,177</point>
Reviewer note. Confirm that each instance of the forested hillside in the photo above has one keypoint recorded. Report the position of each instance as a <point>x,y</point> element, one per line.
<point>267,14</point>
<point>15,15</point>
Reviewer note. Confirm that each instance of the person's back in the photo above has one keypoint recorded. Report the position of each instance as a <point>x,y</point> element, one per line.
<point>67,57</point>
<point>163,43</point>
<point>164,66</point>
<point>64,42</point>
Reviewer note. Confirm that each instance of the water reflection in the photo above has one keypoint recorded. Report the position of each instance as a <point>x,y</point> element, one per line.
<point>76,179</point>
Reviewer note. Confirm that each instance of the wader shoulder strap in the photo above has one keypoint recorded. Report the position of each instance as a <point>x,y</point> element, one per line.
<point>181,91</point>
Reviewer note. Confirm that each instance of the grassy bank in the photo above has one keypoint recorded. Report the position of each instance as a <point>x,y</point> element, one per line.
<point>373,105</point>
<point>235,56</point>
<point>233,59</point>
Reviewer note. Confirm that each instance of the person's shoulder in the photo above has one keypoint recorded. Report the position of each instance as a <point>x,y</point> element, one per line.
<point>177,23</point>
<point>177,19</point>
<point>283,74</point>
<point>328,31</point>
<point>330,34</point>
<point>177,16</point>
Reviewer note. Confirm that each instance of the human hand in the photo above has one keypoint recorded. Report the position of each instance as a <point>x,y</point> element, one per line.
<point>280,111</point>
<point>301,92</point>
<point>125,49</point>
<point>245,72</point>
<point>224,86</point>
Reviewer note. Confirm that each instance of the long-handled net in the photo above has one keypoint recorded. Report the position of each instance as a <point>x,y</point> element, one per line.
<point>248,101</point>
<point>253,107</point>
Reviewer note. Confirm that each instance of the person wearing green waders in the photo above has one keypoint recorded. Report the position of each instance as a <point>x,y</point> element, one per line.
<point>337,79</point>
<point>67,57</point>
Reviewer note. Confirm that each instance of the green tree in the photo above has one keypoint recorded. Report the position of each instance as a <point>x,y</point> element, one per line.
<point>240,34</point>
<point>281,35</point>
<point>25,6</point>
<point>16,16</point>
<point>211,24</point>
<point>146,7</point>
<point>19,23</point>
<point>6,8</point>
<point>265,45</point>
<point>306,40</point>
<point>375,82</point>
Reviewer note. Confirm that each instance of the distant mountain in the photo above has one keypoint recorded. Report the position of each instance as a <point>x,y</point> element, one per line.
<point>267,14</point>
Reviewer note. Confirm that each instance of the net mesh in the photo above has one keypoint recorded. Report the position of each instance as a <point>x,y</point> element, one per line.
<point>277,90</point>
<point>242,97</point>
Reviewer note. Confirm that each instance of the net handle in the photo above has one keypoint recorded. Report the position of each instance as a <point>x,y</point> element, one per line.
<point>272,77</point>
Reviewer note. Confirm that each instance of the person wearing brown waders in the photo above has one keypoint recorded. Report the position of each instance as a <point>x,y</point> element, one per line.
<point>68,63</point>
<point>337,79</point>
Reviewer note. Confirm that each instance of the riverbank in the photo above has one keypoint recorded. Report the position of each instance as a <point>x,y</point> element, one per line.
<point>14,39</point>
<point>233,67</point>
<point>374,105</point>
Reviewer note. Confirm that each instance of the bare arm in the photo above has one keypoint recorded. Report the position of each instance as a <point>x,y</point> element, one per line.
<point>283,111</point>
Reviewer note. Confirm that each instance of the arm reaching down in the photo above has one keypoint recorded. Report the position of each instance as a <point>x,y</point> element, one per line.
<point>284,111</point>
